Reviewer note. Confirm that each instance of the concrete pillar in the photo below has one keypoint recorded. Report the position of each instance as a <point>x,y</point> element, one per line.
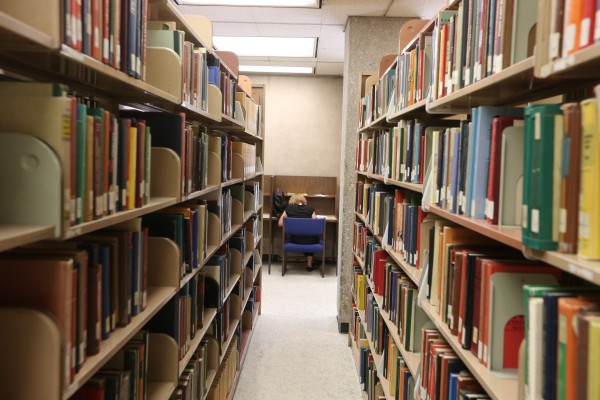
<point>367,40</point>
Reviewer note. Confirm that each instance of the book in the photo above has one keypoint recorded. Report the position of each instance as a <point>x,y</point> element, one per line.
<point>589,192</point>
<point>584,341</point>
<point>569,194</point>
<point>538,176</point>
<point>482,125</point>
<point>567,342</point>
<point>499,125</point>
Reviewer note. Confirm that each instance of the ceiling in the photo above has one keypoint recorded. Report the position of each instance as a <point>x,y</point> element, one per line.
<point>327,24</point>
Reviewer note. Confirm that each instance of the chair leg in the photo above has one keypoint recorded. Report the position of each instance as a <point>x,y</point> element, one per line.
<point>283,264</point>
<point>323,266</point>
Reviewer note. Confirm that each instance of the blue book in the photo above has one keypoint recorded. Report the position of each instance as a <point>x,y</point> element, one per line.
<point>491,38</point>
<point>470,162</point>
<point>214,75</point>
<point>453,386</point>
<point>482,132</point>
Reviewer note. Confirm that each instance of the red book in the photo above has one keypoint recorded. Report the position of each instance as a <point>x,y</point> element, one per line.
<point>93,389</point>
<point>514,331</point>
<point>493,189</point>
<point>420,217</point>
<point>377,271</point>
<point>586,27</point>
<point>96,29</point>
<point>104,45</point>
<point>429,336</point>
<point>433,384</point>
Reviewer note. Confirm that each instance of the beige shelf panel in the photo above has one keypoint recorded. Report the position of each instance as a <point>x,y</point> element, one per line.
<point>509,235</point>
<point>513,85</point>
<point>413,273</point>
<point>163,261</point>
<point>209,315</point>
<point>215,102</point>
<point>164,71</point>
<point>410,36</point>
<point>497,388</point>
<point>586,269</point>
<point>165,173</point>
<point>30,347</point>
<point>198,29</point>
<point>415,187</point>
<point>232,326</point>
<point>581,64</point>
<point>209,189</point>
<point>416,110</point>
<point>157,298</point>
<point>156,203</point>
<point>19,235</point>
<point>162,365</point>
<point>159,390</point>
<point>21,29</point>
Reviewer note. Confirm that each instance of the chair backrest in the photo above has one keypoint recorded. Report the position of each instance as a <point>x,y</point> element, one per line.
<point>304,226</point>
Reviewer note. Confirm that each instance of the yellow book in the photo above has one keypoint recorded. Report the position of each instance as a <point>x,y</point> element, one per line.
<point>392,364</point>
<point>131,168</point>
<point>360,292</point>
<point>593,373</point>
<point>589,192</point>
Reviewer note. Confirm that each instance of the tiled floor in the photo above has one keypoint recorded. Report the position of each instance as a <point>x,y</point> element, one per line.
<point>296,352</point>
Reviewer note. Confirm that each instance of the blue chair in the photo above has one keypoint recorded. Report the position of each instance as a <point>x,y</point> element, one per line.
<point>303,227</point>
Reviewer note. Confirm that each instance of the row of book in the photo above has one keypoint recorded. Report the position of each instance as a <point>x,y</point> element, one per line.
<point>413,73</point>
<point>226,375</point>
<point>105,160</point>
<point>399,153</point>
<point>392,214</point>
<point>562,328</point>
<point>367,370</point>
<point>111,31</point>
<point>476,288</point>
<point>192,382</point>
<point>91,285</point>
<point>478,39</point>
<point>560,170</point>
<point>124,376</point>
<point>443,373</point>
<point>195,60</point>
<point>565,29</point>
<point>251,112</point>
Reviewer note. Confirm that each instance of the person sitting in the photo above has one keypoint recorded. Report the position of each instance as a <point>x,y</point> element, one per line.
<point>298,208</point>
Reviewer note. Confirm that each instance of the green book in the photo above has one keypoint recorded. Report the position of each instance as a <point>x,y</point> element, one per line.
<point>538,176</point>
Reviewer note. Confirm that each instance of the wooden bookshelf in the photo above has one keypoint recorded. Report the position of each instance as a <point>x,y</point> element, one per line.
<point>497,387</point>
<point>32,48</point>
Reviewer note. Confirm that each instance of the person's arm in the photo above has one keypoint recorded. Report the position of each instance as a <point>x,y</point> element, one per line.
<point>283,215</point>
<point>314,215</point>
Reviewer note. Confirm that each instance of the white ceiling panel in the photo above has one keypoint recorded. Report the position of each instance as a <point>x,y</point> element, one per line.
<point>286,15</point>
<point>235,29</point>
<point>327,24</point>
<point>289,30</point>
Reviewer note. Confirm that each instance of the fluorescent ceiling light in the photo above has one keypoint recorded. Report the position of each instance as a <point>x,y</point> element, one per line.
<point>276,70</point>
<point>254,3</point>
<point>267,46</point>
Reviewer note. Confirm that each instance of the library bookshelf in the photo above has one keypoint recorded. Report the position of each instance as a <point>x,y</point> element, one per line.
<point>391,99</point>
<point>42,47</point>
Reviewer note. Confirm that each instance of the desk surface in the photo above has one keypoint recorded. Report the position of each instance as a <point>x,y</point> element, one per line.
<point>328,218</point>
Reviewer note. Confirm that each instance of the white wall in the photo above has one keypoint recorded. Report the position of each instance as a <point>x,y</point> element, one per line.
<point>303,124</point>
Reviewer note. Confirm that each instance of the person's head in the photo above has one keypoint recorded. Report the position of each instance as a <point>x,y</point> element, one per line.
<point>297,198</point>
